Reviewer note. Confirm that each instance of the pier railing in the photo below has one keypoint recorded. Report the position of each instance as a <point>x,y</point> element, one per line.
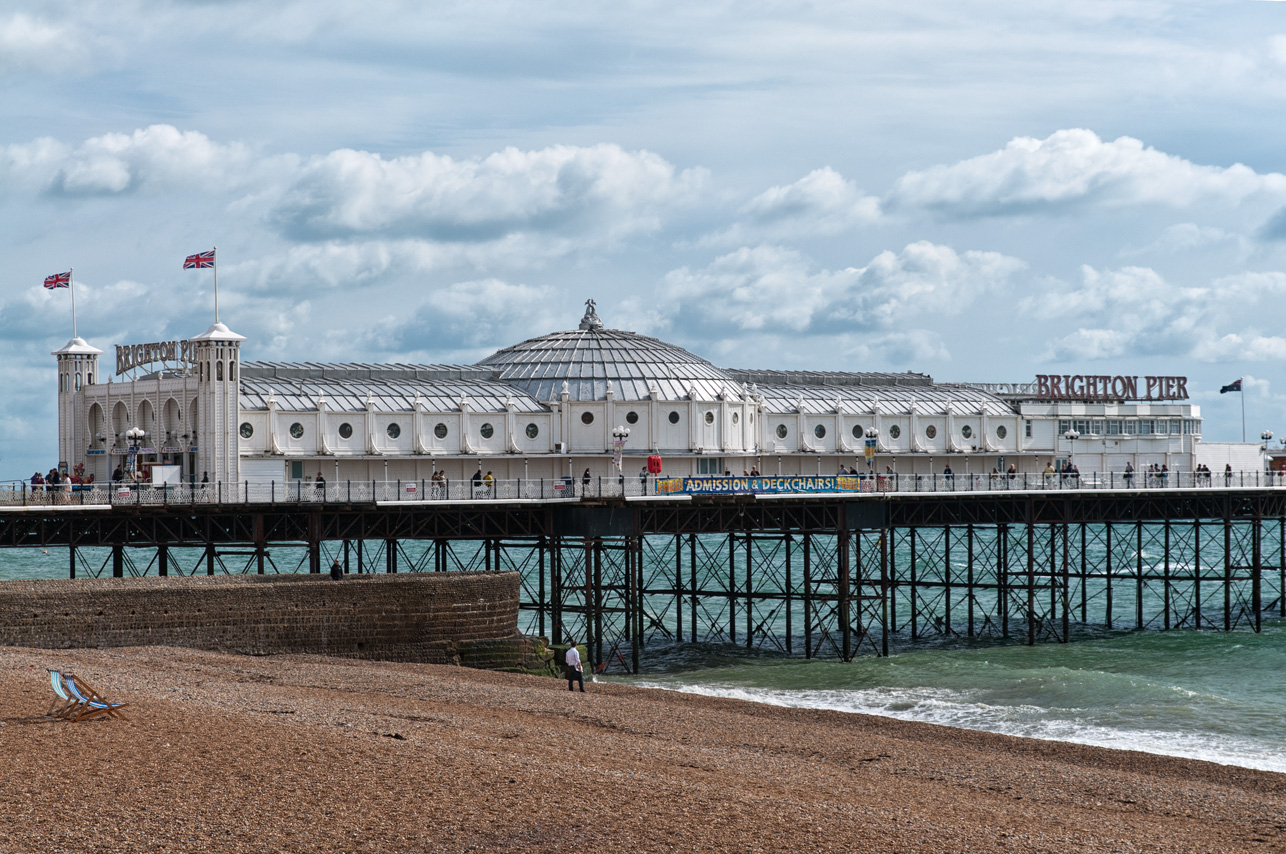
<point>20,494</point>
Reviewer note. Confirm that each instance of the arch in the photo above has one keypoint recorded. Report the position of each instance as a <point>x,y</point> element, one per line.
<point>194,412</point>
<point>147,418</point>
<point>96,420</point>
<point>172,420</point>
<point>120,421</point>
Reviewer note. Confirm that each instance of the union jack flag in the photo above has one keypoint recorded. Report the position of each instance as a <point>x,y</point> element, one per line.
<point>58,280</point>
<point>199,260</point>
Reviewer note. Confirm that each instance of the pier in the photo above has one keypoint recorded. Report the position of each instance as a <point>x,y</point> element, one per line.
<point>830,574</point>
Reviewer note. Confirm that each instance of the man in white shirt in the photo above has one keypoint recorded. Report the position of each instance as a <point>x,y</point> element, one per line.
<point>574,673</point>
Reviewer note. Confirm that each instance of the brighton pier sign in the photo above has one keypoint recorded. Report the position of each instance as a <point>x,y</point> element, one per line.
<point>131,356</point>
<point>1099,387</point>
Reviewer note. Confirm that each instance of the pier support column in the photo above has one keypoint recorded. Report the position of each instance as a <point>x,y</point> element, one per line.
<point>118,561</point>
<point>163,561</point>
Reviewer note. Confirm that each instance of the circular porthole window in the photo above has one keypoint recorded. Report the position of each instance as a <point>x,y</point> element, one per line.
<point>440,430</point>
<point>709,417</point>
<point>532,431</point>
<point>394,430</point>
<point>487,431</point>
<point>819,431</point>
<point>587,418</point>
<point>931,431</point>
<point>631,418</point>
<point>858,432</point>
<point>1001,432</point>
<point>247,430</point>
<point>782,431</point>
<point>736,418</point>
<point>297,430</point>
<point>346,430</point>
<point>966,431</point>
<point>894,431</point>
<point>674,418</point>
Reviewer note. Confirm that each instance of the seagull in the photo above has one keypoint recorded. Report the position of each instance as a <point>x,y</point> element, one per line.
<point>44,551</point>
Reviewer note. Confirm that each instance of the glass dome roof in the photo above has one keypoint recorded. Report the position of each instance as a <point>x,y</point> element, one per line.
<point>593,359</point>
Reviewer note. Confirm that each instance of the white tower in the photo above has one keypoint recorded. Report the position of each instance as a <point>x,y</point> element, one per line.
<point>77,368</point>
<point>217,354</point>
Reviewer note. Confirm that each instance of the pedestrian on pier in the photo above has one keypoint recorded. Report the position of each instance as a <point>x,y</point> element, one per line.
<point>574,671</point>
<point>336,571</point>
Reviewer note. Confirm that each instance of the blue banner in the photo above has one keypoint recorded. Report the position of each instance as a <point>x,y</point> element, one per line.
<point>720,485</point>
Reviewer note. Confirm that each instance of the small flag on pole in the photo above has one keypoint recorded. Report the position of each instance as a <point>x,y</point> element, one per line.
<point>199,261</point>
<point>58,280</point>
<point>1222,389</point>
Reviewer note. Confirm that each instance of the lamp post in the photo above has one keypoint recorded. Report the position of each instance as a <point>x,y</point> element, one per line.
<point>1071,436</point>
<point>134,436</point>
<point>620,435</point>
<point>1266,437</point>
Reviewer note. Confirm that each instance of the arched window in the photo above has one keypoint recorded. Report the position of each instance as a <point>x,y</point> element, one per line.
<point>218,367</point>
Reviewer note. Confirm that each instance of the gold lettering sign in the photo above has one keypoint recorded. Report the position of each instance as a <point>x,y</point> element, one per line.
<point>131,356</point>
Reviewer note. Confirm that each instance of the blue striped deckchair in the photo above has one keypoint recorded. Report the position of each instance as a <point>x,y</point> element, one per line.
<point>91,704</point>
<point>63,704</point>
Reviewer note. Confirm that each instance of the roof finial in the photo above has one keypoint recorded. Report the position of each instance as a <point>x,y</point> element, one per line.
<point>590,320</point>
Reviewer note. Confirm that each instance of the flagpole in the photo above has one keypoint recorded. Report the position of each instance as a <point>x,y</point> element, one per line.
<point>1242,392</point>
<point>216,292</point>
<point>71,284</point>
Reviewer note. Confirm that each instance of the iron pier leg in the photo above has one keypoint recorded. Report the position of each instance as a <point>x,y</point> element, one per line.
<point>915,580</point>
<point>163,560</point>
<point>843,570</point>
<point>1165,573</point>
<point>969,579</point>
<point>1138,583</point>
<point>732,588</point>
<point>678,587</point>
<point>1196,572</point>
<point>750,611</point>
<point>390,557</point>
<point>1031,575</point>
<point>886,594</point>
<point>790,605</point>
<point>808,594</point>
<point>1107,609</point>
<point>209,558</point>
<point>118,561</point>
<point>1002,579</point>
<point>1227,572</point>
<point>946,569</point>
<point>1256,570</point>
<point>346,566</point>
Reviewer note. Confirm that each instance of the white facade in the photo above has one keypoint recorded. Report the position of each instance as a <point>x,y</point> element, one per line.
<point>547,408</point>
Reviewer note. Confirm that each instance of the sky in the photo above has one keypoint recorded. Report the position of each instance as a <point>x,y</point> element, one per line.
<point>982,192</point>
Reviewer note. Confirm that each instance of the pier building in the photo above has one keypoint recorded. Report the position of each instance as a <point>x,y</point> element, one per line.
<point>591,398</point>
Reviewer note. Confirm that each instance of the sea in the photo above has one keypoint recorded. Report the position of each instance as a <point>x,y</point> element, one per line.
<point>1207,694</point>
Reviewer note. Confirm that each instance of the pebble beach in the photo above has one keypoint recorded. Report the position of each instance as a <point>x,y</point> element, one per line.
<point>306,753</point>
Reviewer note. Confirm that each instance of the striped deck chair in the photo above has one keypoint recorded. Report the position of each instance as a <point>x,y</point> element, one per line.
<point>62,704</point>
<point>91,703</point>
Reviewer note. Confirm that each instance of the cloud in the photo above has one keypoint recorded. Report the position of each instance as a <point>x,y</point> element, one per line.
<point>1134,311</point>
<point>771,288</point>
<point>603,189</point>
<point>822,203</point>
<point>28,44</point>
<point>158,157</point>
<point>1074,167</point>
<point>468,318</point>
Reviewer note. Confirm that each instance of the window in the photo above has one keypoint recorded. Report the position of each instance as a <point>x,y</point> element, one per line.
<point>232,370</point>
<point>247,430</point>
<point>1176,426</point>
<point>587,418</point>
<point>736,418</point>
<point>77,382</point>
<point>858,432</point>
<point>394,430</point>
<point>296,469</point>
<point>709,417</point>
<point>219,369</point>
<point>674,418</point>
<point>967,431</point>
<point>782,431</point>
<point>440,430</point>
<point>931,431</point>
<point>533,431</point>
<point>631,417</point>
<point>894,431</point>
<point>1147,425</point>
<point>710,465</point>
<point>1027,429</point>
<point>819,431</point>
<point>1001,432</point>
<point>1064,426</point>
<point>488,431</point>
<point>1130,427</point>
<point>1113,428</point>
<point>346,430</point>
<point>297,430</point>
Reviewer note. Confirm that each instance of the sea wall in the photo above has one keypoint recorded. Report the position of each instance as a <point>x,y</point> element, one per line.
<point>439,618</point>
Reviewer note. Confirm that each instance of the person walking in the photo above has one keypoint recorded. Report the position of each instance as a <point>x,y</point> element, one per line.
<point>574,671</point>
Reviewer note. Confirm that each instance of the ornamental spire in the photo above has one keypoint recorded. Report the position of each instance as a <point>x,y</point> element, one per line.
<point>590,320</point>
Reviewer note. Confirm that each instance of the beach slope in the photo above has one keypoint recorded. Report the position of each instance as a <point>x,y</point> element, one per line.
<point>303,753</point>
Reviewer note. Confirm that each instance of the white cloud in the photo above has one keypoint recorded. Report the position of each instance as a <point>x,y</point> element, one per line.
<point>1072,167</point>
<point>1134,311</point>
<point>775,288</point>
<point>602,189</point>
<point>158,157</point>
<point>822,203</point>
<point>27,43</point>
